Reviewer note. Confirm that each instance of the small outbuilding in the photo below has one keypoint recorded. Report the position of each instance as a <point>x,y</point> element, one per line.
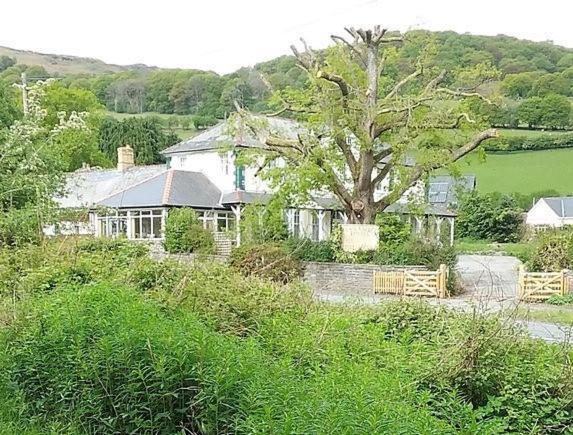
<point>555,212</point>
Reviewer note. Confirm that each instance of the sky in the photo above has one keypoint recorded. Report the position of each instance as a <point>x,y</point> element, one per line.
<point>223,35</point>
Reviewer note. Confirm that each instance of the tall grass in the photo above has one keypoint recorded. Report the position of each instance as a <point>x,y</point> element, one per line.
<point>136,346</point>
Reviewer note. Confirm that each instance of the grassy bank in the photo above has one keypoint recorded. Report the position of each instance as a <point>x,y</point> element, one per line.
<point>98,338</point>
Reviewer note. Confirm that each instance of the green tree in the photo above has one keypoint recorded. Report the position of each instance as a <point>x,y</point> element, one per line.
<point>362,118</point>
<point>29,170</point>
<point>519,85</point>
<point>8,109</point>
<point>6,62</point>
<point>145,134</point>
<point>492,217</point>
<point>61,99</point>
<point>551,84</point>
<point>556,111</point>
<point>530,112</point>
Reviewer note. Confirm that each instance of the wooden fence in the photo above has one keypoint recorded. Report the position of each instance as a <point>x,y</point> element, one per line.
<point>540,285</point>
<point>412,282</point>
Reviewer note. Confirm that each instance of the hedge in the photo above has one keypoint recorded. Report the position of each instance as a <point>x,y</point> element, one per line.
<point>530,143</point>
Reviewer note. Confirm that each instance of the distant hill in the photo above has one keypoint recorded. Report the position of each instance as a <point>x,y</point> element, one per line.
<point>59,64</point>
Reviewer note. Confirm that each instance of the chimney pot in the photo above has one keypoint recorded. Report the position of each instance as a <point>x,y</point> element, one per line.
<point>125,159</point>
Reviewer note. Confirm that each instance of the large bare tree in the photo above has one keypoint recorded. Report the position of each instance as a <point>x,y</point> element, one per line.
<point>367,111</point>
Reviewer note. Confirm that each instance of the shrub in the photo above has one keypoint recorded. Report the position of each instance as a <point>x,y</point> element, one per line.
<point>546,141</point>
<point>491,216</point>
<point>185,234</point>
<point>393,230</point>
<point>269,261</point>
<point>553,251</point>
<point>308,250</point>
<point>263,223</point>
<point>19,227</point>
<point>566,299</point>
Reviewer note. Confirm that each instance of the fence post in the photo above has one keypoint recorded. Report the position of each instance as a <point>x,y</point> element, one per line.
<point>563,282</point>
<point>442,281</point>
<point>521,281</point>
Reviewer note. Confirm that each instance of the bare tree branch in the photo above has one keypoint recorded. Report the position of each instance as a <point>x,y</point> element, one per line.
<point>420,170</point>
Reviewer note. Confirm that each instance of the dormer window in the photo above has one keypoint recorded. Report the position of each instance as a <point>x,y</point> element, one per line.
<point>225,166</point>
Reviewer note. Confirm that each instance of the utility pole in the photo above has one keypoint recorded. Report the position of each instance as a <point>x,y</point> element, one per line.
<point>24,93</point>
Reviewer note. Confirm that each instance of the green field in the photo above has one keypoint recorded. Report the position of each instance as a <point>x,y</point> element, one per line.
<point>523,171</point>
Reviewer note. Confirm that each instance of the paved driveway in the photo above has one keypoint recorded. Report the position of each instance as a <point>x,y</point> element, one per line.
<point>488,276</point>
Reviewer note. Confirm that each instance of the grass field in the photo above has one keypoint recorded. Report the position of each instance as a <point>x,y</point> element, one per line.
<point>529,133</point>
<point>523,171</point>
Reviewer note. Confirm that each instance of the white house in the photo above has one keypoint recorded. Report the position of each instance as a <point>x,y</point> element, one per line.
<point>553,212</point>
<point>202,173</point>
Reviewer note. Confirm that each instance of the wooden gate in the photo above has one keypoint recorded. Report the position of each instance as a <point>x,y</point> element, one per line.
<point>412,282</point>
<point>540,285</point>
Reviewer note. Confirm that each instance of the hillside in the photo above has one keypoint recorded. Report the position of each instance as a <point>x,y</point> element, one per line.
<point>59,64</point>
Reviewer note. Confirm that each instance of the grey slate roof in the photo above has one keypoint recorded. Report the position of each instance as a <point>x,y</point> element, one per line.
<point>216,137</point>
<point>443,189</point>
<point>562,205</point>
<point>169,188</point>
<point>86,187</point>
<point>245,197</point>
<point>428,210</point>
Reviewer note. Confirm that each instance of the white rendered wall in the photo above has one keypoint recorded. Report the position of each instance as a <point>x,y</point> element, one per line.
<point>541,214</point>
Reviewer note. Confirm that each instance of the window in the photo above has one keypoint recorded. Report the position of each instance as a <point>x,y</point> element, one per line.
<point>315,227</point>
<point>225,163</point>
<point>146,224</point>
<point>182,161</point>
<point>113,225</point>
<point>240,177</point>
<point>225,222</point>
<point>296,223</point>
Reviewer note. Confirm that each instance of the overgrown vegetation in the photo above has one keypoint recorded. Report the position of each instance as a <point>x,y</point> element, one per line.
<point>184,233</point>
<point>130,345</point>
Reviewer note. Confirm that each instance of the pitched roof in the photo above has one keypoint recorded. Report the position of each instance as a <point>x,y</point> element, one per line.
<point>443,189</point>
<point>169,188</point>
<point>562,205</point>
<point>217,136</point>
<point>426,209</point>
<point>84,188</point>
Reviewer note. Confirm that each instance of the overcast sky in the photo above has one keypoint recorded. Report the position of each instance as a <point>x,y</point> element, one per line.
<point>223,35</point>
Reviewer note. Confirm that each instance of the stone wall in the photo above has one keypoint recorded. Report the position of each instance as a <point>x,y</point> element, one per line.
<point>341,278</point>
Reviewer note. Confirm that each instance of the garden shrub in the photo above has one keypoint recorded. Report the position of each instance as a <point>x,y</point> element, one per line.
<point>184,233</point>
<point>264,223</point>
<point>308,250</point>
<point>490,216</point>
<point>269,261</point>
<point>393,230</point>
<point>19,227</point>
<point>566,299</point>
<point>553,251</point>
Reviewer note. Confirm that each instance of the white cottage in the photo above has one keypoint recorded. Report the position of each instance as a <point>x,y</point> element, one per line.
<point>555,212</point>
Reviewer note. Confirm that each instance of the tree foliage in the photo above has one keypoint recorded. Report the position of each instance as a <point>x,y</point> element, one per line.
<point>492,217</point>
<point>146,135</point>
<point>362,118</point>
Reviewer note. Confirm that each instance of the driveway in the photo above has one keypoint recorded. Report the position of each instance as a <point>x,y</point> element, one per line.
<point>492,277</point>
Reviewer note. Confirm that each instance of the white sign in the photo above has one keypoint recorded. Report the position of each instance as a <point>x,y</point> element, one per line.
<point>360,237</point>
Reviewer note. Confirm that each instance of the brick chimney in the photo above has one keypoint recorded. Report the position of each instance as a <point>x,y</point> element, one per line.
<point>125,158</point>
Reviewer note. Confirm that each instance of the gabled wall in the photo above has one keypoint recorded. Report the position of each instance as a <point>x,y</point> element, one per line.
<point>543,215</point>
